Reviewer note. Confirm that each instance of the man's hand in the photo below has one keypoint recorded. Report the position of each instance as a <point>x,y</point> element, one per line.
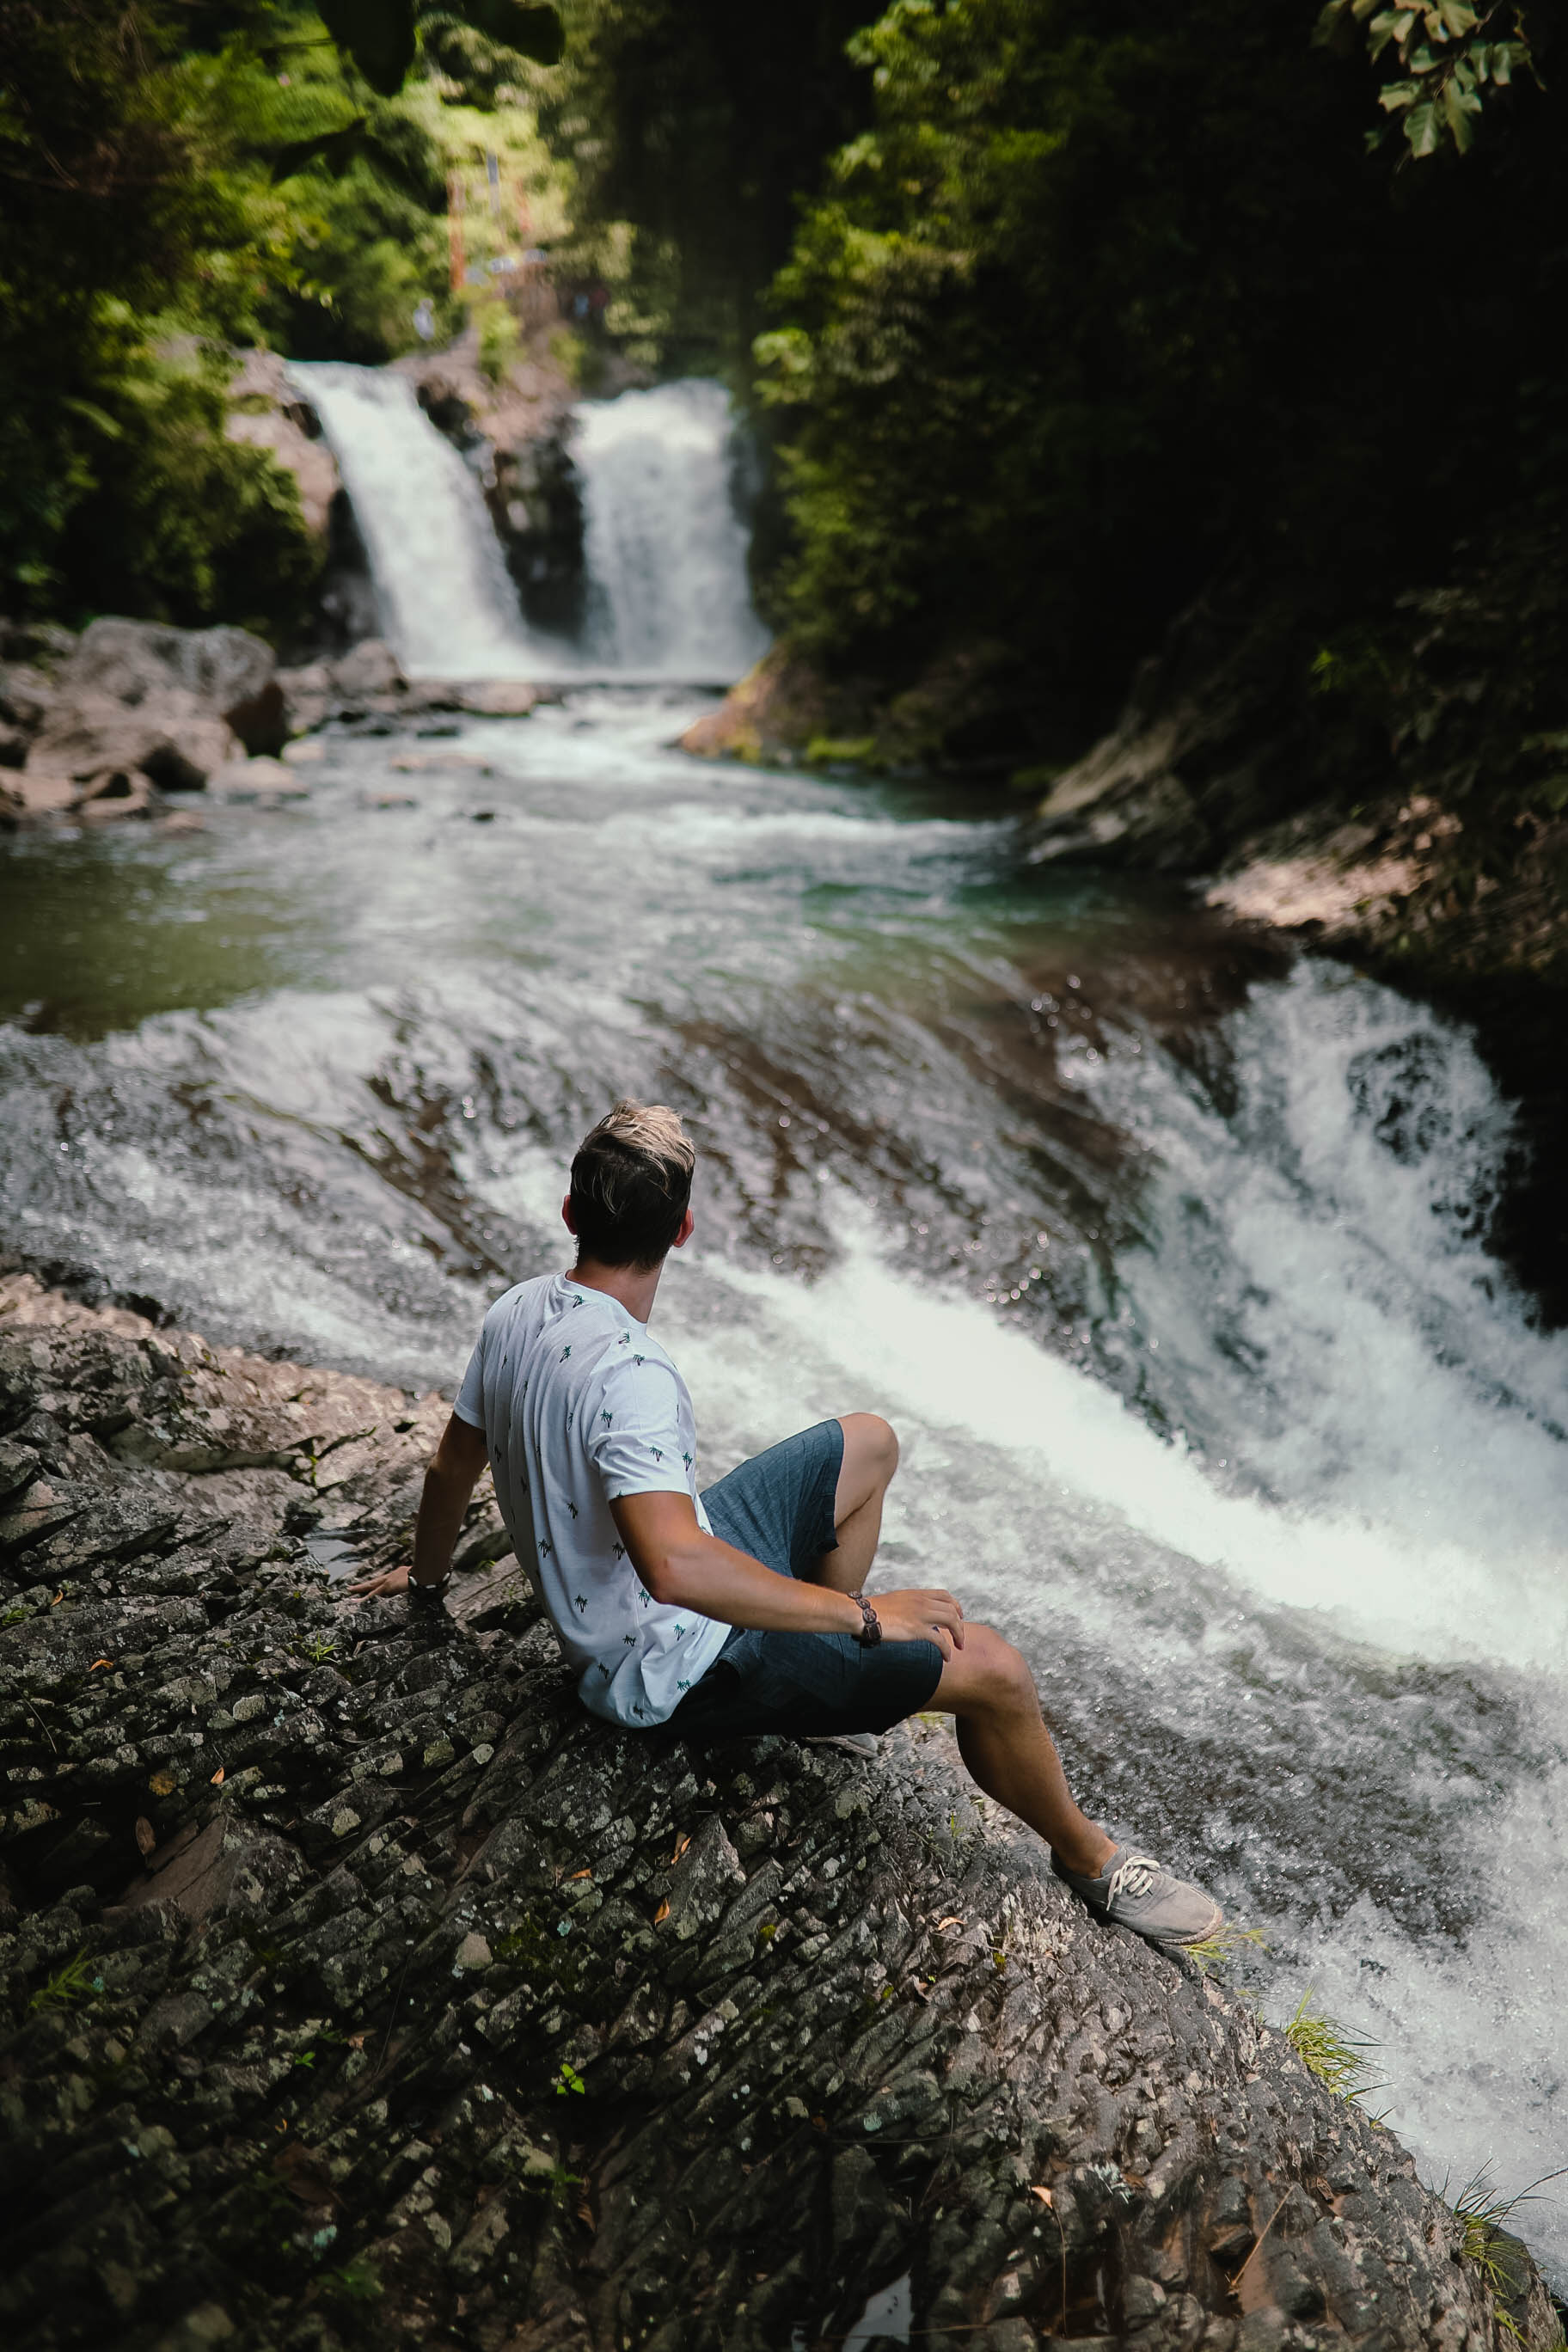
<point>449,1481</point>
<point>921,1617</point>
<point>385,1579</point>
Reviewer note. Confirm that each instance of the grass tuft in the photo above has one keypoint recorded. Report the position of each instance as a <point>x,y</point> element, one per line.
<point>1337,2058</point>
<point>1483,2213</point>
<point>1227,1944</point>
<point>76,1980</point>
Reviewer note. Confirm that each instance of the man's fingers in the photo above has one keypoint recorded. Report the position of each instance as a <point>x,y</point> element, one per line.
<point>943,1640</point>
<point>385,1579</point>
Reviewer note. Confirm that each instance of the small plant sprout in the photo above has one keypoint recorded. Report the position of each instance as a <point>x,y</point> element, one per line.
<point>319,1650</point>
<point>1327,2051</point>
<point>75,1980</point>
<point>567,2080</point>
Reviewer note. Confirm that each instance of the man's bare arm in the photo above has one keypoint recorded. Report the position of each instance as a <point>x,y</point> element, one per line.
<point>680,1564</point>
<point>450,1482</point>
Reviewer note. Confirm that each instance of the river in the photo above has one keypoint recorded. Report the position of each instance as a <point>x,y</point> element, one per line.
<point>1166,1252</point>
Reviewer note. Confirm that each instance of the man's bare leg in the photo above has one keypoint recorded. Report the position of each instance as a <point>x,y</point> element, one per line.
<point>1002,1739</point>
<point>870,1458</point>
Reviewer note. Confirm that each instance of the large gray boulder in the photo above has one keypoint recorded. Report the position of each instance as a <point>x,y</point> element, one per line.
<point>134,708</point>
<point>231,674</point>
<point>357,1989</point>
<point>171,736</point>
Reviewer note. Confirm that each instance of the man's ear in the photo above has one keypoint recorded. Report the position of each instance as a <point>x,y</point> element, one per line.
<point>687,1227</point>
<point>566,1216</point>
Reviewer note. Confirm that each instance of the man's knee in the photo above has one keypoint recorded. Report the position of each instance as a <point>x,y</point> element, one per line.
<point>1001,1674</point>
<point>875,1443</point>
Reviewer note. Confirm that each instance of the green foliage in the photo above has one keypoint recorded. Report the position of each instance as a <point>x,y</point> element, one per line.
<point>1326,2049</point>
<point>568,2079</point>
<point>178,522</point>
<point>74,1981</point>
<point>355,2281</point>
<point>1483,2212</point>
<point>1104,305</point>
<point>178,180</point>
<point>1447,55</point>
<point>499,335</point>
<point>690,128</point>
<point>1227,1944</point>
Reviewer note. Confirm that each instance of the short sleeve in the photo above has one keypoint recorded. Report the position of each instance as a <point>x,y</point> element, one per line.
<point>469,1402</point>
<point>635,1442</point>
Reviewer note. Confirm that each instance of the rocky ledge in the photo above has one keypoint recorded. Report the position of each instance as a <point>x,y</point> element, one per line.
<point>355,1989</point>
<point>101,726</point>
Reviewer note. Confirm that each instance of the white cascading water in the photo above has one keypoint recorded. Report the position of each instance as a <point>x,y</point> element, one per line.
<point>448,603</point>
<point>666,547</point>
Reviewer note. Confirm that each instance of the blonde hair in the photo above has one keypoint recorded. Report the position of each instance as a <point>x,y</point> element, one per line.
<point>631,1183</point>
<point>652,1130</point>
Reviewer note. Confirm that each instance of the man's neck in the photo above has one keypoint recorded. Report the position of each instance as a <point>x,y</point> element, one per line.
<point>632,1285</point>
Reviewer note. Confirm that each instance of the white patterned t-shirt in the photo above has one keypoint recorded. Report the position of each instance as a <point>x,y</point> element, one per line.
<point>579,1407</point>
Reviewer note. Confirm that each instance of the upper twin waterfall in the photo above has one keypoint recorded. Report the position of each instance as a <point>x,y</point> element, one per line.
<point>664,546</point>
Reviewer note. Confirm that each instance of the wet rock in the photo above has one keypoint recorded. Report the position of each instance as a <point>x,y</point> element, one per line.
<point>230,672</point>
<point>356,1988</point>
<point>137,707</point>
<point>36,793</point>
<point>262,778</point>
<point>116,792</point>
<point>369,668</point>
<point>267,411</point>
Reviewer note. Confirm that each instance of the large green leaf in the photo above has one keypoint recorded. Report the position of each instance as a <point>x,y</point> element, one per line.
<point>377,34</point>
<point>536,33</point>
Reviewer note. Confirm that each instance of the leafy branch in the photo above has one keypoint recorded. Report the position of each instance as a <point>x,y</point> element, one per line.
<point>381,35</point>
<point>1447,54</point>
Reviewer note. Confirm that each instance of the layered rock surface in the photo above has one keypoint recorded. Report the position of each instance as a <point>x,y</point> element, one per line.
<point>356,1989</point>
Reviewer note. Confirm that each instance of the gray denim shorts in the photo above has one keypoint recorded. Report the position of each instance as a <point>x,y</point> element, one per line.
<point>779,1508</point>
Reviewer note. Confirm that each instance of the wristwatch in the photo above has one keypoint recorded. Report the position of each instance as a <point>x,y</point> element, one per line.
<point>870,1632</point>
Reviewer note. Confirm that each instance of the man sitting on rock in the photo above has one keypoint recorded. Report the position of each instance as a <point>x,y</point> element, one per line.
<point>737,1611</point>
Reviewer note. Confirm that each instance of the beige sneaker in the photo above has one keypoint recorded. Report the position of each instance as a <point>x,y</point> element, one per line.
<point>1135,1891</point>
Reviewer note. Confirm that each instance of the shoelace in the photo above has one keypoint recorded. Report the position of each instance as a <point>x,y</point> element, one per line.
<point>1134,1877</point>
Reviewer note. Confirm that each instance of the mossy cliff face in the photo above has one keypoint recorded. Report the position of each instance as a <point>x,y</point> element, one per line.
<point>357,1989</point>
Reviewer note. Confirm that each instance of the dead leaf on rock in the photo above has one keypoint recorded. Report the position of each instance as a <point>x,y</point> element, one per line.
<point>146,1836</point>
<point>1044,2195</point>
<point>304,2174</point>
<point>579,1873</point>
<point>681,1846</point>
<point>218,1778</point>
<point>943,1925</point>
<point>162,1784</point>
<point>100,1662</point>
<point>661,1915</point>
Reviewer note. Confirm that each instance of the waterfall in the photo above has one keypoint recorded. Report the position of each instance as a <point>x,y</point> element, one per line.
<point>666,547</point>
<point>448,603</point>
